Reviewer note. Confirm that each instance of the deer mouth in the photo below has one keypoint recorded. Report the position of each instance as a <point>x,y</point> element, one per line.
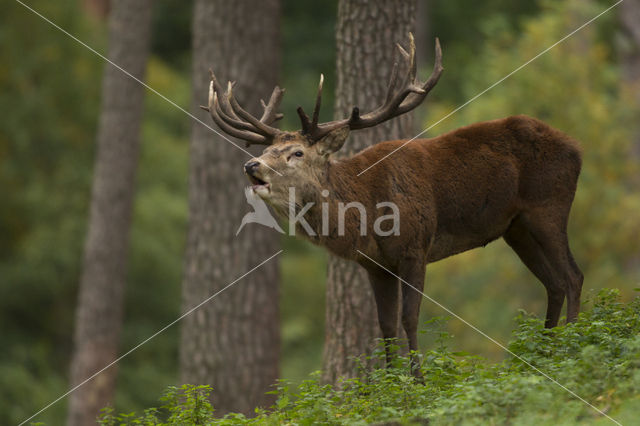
<point>258,185</point>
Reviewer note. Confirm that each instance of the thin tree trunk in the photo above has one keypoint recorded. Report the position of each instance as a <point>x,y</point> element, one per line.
<point>232,343</point>
<point>100,303</point>
<point>366,34</point>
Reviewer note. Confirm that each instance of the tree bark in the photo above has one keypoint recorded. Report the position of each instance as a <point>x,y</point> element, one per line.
<point>424,34</point>
<point>366,33</point>
<point>232,342</point>
<point>100,302</point>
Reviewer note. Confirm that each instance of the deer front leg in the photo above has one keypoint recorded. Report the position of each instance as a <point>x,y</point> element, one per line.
<point>412,272</point>
<point>385,290</point>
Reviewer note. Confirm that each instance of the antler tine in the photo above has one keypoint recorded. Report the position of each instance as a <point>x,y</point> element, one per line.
<point>260,127</point>
<point>310,126</point>
<point>437,68</point>
<point>409,82</point>
<point>316,108</point>
<point>223,109</point>
<point>238,124</point>
<point>222,99</point>
<point>396,102</point>
<point>404,53</point>
<point>407,59</point>
<point>230,117</point>
<point>305,121</point>
<point>214,108</point>
<point>413,65</point>
<point>270,115</point>
<point>412,102</point>
<point>392,82</point>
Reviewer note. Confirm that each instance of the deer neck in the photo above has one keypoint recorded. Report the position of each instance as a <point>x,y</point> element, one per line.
<point>336,187</point>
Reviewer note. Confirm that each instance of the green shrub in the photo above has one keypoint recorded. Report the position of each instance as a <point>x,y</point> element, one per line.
<point>597,358</point>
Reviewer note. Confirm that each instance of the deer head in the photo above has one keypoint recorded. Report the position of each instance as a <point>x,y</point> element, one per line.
<point>299,159</point>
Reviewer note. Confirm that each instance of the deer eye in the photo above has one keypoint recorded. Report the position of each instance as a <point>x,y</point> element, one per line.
<point>298,153</point>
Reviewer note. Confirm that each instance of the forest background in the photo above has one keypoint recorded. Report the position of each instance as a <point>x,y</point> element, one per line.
<point>50,98</point>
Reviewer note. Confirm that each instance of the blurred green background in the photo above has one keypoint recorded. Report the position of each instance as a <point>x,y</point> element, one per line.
<point>49,98</point>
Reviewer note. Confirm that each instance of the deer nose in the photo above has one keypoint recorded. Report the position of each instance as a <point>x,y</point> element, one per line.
<point>251,166</point>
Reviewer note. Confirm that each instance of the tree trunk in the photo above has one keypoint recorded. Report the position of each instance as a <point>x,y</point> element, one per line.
<point>231,343</point>
<point>424,52</point>
<point>424,35</point>
<point>100,302</point>
<point>366,33</point>
<point>630,19</point>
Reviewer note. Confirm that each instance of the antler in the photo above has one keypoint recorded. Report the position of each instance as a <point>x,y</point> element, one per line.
<point>397,102</point>
<point>234,120</point>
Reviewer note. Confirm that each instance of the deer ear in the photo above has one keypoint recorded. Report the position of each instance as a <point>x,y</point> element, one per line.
<point>333,141</point>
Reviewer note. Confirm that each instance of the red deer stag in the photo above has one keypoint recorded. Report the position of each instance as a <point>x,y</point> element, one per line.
<point>513,178</point>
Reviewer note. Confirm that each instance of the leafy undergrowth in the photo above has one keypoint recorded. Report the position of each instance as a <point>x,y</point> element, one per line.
<point>597,358</point>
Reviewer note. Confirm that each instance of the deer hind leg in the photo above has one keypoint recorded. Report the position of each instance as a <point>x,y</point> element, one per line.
<point>412,274</point>
<point>573,296</point>
<point>385,290</point>
<point>544,249</point>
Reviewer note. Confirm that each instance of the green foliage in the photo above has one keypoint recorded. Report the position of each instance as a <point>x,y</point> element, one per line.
<point>303,276</point>
<point>157,242</point>
<point>308,26</point>
<point>48,96</point>
<point>597,358</point>
<point>463,31</point>
<point>185,405</point>
<point>171,32</point>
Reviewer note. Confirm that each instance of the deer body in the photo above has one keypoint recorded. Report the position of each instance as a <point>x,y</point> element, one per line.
<point>513,178</point>
<point>455,192</point>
